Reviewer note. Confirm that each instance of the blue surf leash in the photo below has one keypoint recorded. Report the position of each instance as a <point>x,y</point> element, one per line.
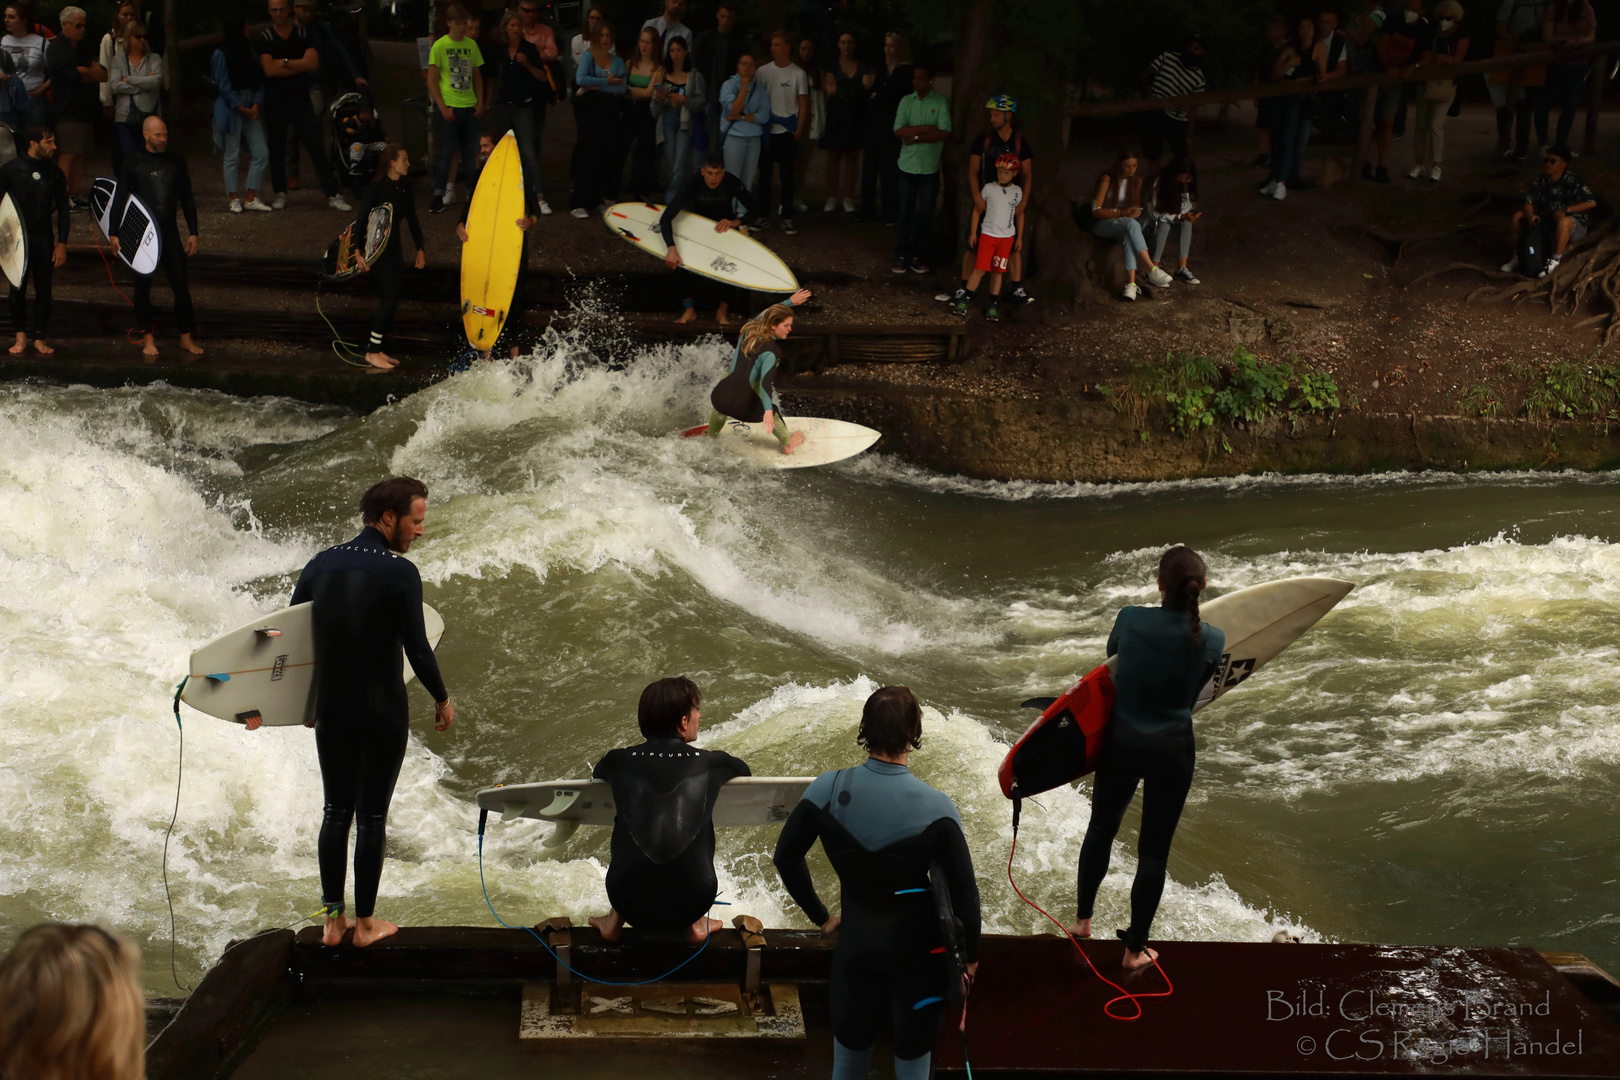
<point>483,819</point>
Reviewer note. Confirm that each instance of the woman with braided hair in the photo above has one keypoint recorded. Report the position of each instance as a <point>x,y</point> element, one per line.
<point>1166,656</point>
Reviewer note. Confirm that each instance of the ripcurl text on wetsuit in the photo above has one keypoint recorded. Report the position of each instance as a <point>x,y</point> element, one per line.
<point>1149,741</point>
<point>882,829</point>
<point>37,189</point>
<point>367,620</point>
<point>388,272</point>
<point>661,870</point>
<point>163,183</point>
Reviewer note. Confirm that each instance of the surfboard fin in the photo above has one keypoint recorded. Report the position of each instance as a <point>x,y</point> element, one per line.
<point>267,632</point>
<point>1041,703</point>
<point>221,677</point>
<point>252,719</point>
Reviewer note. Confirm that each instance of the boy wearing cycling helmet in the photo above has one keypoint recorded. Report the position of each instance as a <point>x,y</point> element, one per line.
<point>999,228</point>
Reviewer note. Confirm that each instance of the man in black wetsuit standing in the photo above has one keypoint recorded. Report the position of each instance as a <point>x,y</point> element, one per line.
<point>661,868</point>
<point>37,189</point>
<point>712,193</point>
<point>368,608</point>
<point>161,179</point>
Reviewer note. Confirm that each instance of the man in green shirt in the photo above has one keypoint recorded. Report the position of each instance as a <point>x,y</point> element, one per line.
<point>922,123</point>
<point>455,83</point>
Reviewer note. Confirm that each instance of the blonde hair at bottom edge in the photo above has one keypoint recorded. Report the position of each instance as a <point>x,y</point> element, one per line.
<point>72,1006</point>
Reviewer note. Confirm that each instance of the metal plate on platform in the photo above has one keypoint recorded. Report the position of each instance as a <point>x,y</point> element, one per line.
<point>659,1011</point>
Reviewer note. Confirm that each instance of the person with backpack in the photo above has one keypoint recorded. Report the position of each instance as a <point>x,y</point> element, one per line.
<point>1553,217</point>
<point>1003,137</point>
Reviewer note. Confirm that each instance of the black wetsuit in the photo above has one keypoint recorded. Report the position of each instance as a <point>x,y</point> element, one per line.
<point>661,871</point>
<point>388,272</point>
<point>512,330</point>
<point>368,606</point>
<point>882,829</point>
<point>37,188</point>
<point>719,203</point>
<point>163,183</point>
<point>1149,741</point>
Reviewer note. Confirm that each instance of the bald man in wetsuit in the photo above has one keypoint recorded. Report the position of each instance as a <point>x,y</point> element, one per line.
<point>661,868</point>
<point>163,181</point>
<point>368,616</point>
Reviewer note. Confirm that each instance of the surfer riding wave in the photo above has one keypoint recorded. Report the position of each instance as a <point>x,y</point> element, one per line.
<point>748,392</point>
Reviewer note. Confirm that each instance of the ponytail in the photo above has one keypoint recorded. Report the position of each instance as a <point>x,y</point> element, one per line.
<point>1181,574</point>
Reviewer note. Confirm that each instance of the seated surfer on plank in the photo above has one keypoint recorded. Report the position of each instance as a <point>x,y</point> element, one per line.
<point>711,192</point>
<point>883,829</point>
<point>367,619</point>
<point>748,392</point>
<point>1166,656</point>
<point>661,862</point>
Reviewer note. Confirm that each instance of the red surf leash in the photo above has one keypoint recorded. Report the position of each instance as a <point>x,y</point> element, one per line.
<point>1124,994</point>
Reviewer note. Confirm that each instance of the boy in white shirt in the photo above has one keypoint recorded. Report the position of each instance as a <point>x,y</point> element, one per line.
<point>789,88</point>
<point>1000,234</point>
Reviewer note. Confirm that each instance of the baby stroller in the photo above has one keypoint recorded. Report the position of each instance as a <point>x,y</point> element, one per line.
<point>357,139</point>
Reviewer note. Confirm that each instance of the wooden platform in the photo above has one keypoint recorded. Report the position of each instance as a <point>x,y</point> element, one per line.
<point>1238,1010</point>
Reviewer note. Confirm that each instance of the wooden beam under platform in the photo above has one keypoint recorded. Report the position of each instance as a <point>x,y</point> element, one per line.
<point>1237,1010</point>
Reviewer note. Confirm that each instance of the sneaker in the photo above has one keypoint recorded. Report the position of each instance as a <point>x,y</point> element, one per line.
<point>1511,266</point>
<point>1417,171</point>
<point>1552,264</point>
<point>788,227</point>
<point>1185,275</point>
<point>993,312</point>
<point>338,202</point>
<point>437,207</point>
<point>1268,187</point>
<point>236,206</point>
<point>257,205</point>
<point>449,194</point>
<point>1381,175</point>
<point>545,208</point>
<point>1280,193</point>
<point>1020,297</point>
<point>849,206</point>
<point>1520,155</point>
<point>800,206</point>
<point>959,306</point>
<point>759,224</point>
<point>279,202</point>
<point>920,267</point>
<point>79,202</point>
<point>1131,291</point>
<point>829,206</point>
<point>580,212</point>
<point>1434,174</point>
<point>899,267</point>
<point>1366,170</point>
<point>1504,152</point>
<point>1157,277</point>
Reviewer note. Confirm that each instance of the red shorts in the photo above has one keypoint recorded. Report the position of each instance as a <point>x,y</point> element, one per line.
<point>994,251</point>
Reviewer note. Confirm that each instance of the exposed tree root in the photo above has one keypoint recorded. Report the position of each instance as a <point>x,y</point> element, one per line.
<point>1589,272</point>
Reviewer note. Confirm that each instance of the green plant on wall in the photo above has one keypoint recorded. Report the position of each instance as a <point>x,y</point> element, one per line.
<point>1195,393</point>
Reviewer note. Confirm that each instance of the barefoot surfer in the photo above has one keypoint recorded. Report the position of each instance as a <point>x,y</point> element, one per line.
<point>882,830</point>
<point>368,615</point>
<point>661,867</point>
<point>389,186</point>
<point>712,193</point>
<point>748,392</point>
<point>1166,656</point>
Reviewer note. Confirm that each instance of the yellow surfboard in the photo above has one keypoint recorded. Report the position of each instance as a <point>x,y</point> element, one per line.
<point>494,247</point>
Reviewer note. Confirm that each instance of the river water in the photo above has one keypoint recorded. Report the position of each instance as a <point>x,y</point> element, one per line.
<point>1434,763</point>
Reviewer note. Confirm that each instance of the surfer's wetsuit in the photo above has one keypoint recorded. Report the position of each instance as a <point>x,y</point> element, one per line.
<point>882,828</point>
<point>1149,741</point>
<point>748,391</point>
<point>720,203</point>
<point>163,183</point>
<point>661,871</point>
<point>388,272</point>
<point>368,607</point>
<point>37,189</point>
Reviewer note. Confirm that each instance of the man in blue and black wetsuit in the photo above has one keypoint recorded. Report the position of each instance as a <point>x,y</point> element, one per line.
<point>368,608</point>
<point>885,832</point>
<point>661,870</point>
